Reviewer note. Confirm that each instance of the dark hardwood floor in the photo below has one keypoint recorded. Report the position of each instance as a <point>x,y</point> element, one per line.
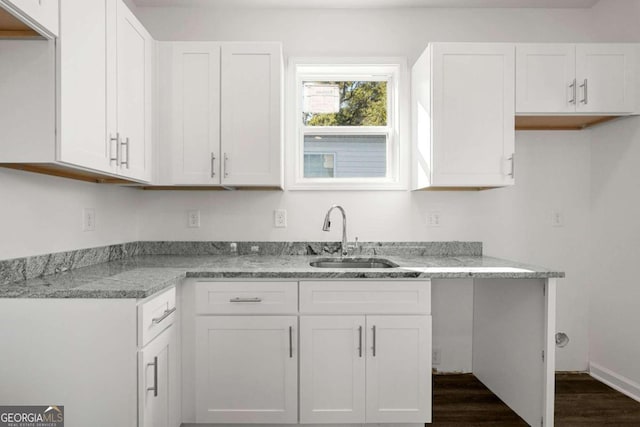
<point>462,400</point>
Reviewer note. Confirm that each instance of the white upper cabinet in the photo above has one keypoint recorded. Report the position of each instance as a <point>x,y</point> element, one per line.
<point>195,116</point>
<point>89,94</point>
<point>545,78</point>
<point>82,58</point>
<point>251,107</point>
<point>463,106</point>
<point>222,122</point>
<point>573,79</point>
<point>605,78</point>
<point>41,14</point>
<point>130,95</point>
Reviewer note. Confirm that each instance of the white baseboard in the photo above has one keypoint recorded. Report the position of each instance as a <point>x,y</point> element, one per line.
<point>618,382</point>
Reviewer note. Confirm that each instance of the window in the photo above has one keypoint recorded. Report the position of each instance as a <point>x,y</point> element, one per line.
<point>345,132</point>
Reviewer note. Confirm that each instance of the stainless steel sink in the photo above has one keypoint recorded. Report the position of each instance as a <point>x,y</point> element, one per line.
<point>353,263</point>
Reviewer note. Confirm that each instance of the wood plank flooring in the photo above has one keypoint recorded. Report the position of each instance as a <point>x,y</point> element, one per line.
<point>462,400</point>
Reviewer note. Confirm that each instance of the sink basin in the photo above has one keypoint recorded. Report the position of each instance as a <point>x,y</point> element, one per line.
<point>353,263</point>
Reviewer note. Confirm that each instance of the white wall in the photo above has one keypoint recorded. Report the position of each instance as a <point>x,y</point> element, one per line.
<point>43,214</point>
<point>615,231</point>
<point>615,288</point>
<point>515,223</point>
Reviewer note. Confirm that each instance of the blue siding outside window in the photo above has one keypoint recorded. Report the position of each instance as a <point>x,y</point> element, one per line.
<point>355,156</point>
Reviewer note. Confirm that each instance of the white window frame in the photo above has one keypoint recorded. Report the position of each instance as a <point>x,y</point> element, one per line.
<point>394,70</point>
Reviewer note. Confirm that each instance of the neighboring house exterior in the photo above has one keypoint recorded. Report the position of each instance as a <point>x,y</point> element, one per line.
<point>345,156</point>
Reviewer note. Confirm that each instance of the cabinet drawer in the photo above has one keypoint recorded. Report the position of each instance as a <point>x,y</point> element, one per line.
<point>369,297</point>
<point>246,297</point>
<point>156,315</point>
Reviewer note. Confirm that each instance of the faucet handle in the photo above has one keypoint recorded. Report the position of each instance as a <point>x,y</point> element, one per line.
<point>353,246</point>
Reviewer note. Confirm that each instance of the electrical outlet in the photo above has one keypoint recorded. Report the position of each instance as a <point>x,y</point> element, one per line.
<point>193,219</point>
<point>88,219</point>
<point>557,218</point>
<point>280,218</point>
<point>436,356</point>
<point>434,219</point>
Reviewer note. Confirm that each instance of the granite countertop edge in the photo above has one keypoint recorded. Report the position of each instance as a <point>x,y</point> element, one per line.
<point>145,276</point>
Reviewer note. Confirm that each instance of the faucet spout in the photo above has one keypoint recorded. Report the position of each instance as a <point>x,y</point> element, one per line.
<point>327,226</point>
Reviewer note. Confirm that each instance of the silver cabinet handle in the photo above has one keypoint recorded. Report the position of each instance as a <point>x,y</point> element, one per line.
<point>238,299</point>
<point>117,141</point>
<point>166,314</point>
<point>154,389</point>
<point>213,171</point>
<point>126,144</point>
<point>226,171</point>
<point>573,91</point>
<point>374,341</point>
<point>513,166</point>
<point>359,341</point>
<point>585,92</point>
<point>290,342</point>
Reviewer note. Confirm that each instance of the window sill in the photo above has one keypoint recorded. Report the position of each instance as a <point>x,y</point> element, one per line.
<point>347,186</point>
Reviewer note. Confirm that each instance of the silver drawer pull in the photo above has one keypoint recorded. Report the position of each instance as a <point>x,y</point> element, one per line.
<point>238,299</point>
<point>154,389</point>
<point>166,314</point>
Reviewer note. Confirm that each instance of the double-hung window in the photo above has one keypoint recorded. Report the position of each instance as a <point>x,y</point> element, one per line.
<point>346,133</point>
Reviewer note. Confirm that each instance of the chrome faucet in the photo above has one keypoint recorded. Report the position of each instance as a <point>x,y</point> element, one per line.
<point>327,226</point>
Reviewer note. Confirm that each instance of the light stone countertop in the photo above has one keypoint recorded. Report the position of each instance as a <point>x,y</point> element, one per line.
<point>142,276</point>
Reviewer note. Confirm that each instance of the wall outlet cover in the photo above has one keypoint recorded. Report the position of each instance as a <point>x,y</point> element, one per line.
<point>280,218</point>
<point>193,218</point>
<point>88,219</point>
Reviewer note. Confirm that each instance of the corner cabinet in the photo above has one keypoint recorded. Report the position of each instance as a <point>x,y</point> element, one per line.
<point>574,79</point>
<point>114,353</point>
<point>463,108</point>
<point>224,126</point>
<point>89,94</point>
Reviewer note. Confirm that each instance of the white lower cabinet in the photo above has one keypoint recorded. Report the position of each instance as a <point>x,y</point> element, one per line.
<point>365,369</point>
<point>158,378</point>
<point>399,369</point>
<point>332,369</point>
<point>99,363</point>
<point>246,369</point>
<point>359,361</point>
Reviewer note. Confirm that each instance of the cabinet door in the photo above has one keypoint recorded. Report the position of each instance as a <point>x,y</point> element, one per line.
<point>545,78</point>
<point>82,138</point>
<point>605,74</point>
<point>251,114</point>
<point>398,369</point>
<point>473,114</point>
<point>195,119</point>
<point>246,369</point>
<point>158,386</point>
<point>133,94</point>
<point>332,369</point>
